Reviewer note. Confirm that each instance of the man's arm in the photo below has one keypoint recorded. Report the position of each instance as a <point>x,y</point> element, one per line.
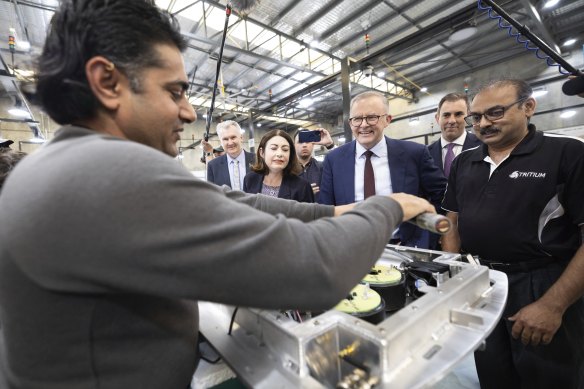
<point>538,322</point>
<point>210,176</point>
<point>326,195</point>
<point>451,240</point>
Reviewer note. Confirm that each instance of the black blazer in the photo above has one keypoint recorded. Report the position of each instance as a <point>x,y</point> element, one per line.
<point>218,169</point>
<point>435,149</point>
<point>292,188</point>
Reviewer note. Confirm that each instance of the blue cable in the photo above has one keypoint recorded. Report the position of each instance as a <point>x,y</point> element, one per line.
<point>518,38</point>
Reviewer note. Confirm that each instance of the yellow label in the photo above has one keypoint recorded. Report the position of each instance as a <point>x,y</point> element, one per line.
<point>362,300</point>
<point>380,275</point>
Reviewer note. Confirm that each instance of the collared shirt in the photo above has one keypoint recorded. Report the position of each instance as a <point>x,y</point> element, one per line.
<point>312,172</point>
<point>242,168</point>
<point>457,149</point>
<point>527,207</point>
<point>380,164</point>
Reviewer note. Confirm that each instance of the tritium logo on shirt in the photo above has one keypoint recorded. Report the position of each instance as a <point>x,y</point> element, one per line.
<point>517,174</point>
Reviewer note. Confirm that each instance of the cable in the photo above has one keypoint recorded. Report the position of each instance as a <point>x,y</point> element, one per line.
<point>518,38</point>
<point>232,320</point>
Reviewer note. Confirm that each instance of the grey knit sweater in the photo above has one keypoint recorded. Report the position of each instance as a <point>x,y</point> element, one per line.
<point>106,245</point>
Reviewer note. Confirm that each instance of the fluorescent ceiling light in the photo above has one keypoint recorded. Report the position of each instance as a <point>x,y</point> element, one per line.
<point>259,124</point>
<point>463,34</point>
<point>567,114</point>
<point>569,42</point>
<point>424,89</point>
<point>539,93</point>
<point>37,140</point>
<point>550,3</point>
<point>380,74</point>
<point>23,45</point>
<point>305,103</point>
<point>19,112</point>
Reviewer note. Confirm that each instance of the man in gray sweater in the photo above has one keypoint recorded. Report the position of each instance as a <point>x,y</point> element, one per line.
<point>106,243</point>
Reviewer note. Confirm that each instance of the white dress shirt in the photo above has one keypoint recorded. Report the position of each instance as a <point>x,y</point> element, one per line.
<point>242,168</point>
<point>380,165</point>
<point>457,149</point>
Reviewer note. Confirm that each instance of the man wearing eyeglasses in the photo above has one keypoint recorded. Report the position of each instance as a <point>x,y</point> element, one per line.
<point>374,164</point>
<point>517,202</point>
<point>452,110</point>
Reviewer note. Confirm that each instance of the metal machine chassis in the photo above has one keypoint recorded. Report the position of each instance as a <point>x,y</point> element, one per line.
<point>414,348</point>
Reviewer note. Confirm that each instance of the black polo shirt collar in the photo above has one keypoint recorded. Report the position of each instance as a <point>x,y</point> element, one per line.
<point>526,146</point>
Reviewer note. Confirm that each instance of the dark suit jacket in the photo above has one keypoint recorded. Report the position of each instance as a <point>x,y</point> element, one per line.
<point>436,149</point>
<point>292,187</point>
<point>218,169</point>
<point>412,171</point>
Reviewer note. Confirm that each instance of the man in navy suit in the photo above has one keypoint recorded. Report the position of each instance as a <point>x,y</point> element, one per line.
<point>398,166</point>
<point>450,117</point>
<point>230,168</point>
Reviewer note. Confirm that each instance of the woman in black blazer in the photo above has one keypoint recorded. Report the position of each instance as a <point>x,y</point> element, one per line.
<point>275,172</point>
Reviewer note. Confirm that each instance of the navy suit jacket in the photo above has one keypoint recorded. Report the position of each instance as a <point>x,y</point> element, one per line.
<point>412,171</point>
<point>292,187</point>
<point>218,169</point>
<point>436,149</point>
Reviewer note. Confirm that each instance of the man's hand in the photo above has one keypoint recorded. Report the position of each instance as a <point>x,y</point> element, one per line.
<point>207,148</point>
<point>412,206</point>
<point>536,323</point>
<point>325,138</point>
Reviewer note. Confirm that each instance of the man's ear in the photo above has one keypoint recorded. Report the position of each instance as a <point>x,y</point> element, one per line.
<point>104,81</point>
<point>530,105</point>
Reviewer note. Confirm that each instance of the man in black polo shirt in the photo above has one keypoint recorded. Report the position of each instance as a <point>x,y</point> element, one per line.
<point>518,204</point>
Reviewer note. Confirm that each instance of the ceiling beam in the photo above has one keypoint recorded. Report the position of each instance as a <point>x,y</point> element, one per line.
<point>284,12</point>
<point>322,11</point>
<point>543,30</point>
<point>381,22</point>
<point>348,19</point>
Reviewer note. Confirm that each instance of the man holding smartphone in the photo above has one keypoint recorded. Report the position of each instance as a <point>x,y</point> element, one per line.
<point>311,168</point>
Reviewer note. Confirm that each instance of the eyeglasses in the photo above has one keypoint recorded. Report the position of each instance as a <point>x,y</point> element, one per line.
<point>491,114</point>
<point>370,119</point>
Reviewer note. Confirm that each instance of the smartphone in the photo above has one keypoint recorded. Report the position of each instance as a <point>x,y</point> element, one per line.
<point>309,136</point>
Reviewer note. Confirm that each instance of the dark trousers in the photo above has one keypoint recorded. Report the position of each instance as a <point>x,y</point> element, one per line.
<point>507,363</point>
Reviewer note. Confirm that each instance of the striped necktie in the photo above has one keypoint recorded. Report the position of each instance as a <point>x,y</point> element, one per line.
<point>236,181</point>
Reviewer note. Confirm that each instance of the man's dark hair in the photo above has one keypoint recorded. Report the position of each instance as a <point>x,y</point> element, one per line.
<point>293,166</point>
<point>8,159</point>
<point>452,97</point>
<point>522,88</point>
<point>123,31</point>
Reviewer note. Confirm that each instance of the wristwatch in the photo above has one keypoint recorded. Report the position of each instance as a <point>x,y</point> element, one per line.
<point>330,146</point>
